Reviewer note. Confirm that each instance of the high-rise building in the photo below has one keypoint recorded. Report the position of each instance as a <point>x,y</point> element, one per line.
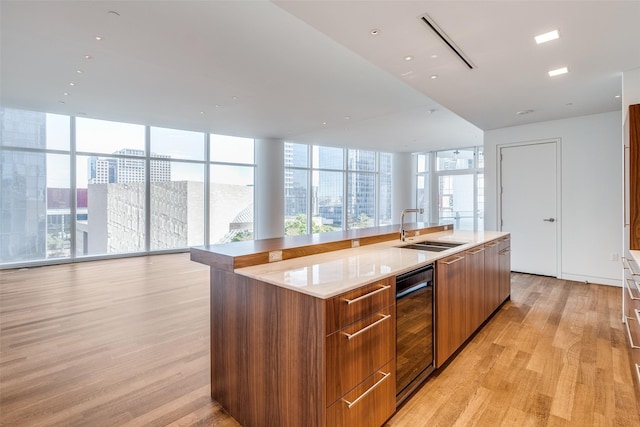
<point>125,169</point>
<point>23,195</point>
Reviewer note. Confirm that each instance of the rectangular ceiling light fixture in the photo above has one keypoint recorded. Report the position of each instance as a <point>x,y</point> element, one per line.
<point>443,36</point>
<point>547,37</point>
<point>559,71</point>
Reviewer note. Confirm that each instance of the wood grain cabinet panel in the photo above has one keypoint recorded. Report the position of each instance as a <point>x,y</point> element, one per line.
<point>369,404</point>
<point>345,309</point>
<point>450,306</point>
<point>491,277</point>
<point>504,275</point>
<point>355,352</point>
<point>475,289</point>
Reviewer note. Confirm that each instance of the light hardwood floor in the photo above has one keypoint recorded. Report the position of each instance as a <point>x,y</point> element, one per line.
<point>126,343</point>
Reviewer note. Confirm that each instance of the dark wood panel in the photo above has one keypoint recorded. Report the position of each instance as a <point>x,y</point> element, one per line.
<point>475,301</point>
<point>634,176</point>
<point>267,352</point>
<point>365,301</point>
<point>450,306</point>
<point>373,408</point>
<point>491,277</point>
<point>351,360</point>
<point>504,274</point>
<point>234,255</point>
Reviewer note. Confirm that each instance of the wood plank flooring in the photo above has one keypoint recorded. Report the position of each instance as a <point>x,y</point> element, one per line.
<point>126,343</point>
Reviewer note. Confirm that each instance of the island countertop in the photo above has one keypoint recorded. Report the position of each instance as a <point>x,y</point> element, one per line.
<point>329,274</point>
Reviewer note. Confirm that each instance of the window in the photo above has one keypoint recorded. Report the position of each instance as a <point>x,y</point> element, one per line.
<point>231,186</point>
<point>344,189</point>
<point>117,188</point>
<point>451,189</point>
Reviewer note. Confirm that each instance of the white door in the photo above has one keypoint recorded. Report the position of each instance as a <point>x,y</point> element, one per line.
<point>529,194</point>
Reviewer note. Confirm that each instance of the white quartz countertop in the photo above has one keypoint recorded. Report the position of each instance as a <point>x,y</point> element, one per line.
<point>332,273</point>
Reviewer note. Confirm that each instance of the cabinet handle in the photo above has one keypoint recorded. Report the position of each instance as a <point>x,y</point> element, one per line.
<point>633,345</point>
<point>451,262</point>
<point>367,295</point>
<point>366,328</point>
<point>504,251</point>
<point>369,390</point>
<point>491,244</point>
<point>477,251</point>
<point>629,289</point>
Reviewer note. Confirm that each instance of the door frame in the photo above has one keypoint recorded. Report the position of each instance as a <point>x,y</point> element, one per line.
<point>558,222</point>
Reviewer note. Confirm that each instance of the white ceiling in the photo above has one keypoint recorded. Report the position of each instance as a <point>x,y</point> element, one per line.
<point>281,70</point>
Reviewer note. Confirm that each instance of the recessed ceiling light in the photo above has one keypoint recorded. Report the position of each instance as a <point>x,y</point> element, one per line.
<point>217,105</point>
<point>78,71</point>
<point>375,32</point>
<point>98,38</point>
<point>72,84</point>
<point>66,93</point>
<point>523,112</point>
<point>434,56</point>
<point>547,37</point>
<point>88,57</point>
<point>347,117</point>
<point>408,58</point>
<point>201,112</point>
<point>617,97</point>
<point>324,123</point>
<point>235,98</point>
<point>434,76</point>
<point>558,71</point>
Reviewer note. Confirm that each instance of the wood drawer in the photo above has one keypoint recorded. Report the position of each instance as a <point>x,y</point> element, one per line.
<point>357,351</point>
<point>351,306</point>
<point>369,404</point>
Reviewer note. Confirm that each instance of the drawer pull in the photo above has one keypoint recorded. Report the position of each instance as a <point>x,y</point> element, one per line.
<point>633,345</point>
<point>367,295</point>
<point>355,334</point>
<point>490,245</point>
<point>504,251</point>
<point>477,251</point>
<point>629,289</point>
<point>369,390</point>
<point>455,260</point>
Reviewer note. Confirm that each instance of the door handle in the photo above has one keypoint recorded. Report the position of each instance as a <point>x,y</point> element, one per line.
<point>550,219</point>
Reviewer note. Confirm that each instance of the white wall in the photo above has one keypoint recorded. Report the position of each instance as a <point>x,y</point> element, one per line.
<point>591,190</point>
<point>403,185</point>
<point>269,188</point>
<point>630,89</point>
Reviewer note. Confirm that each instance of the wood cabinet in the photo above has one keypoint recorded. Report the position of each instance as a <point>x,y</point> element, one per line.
<point>284,358</point>
<point>469,287</point>
<point>450,306</point>
<point>475,289</point>
<point>504,271</point>
<point>491,277</point>
<point>360,386</point>
<point>632,184</point>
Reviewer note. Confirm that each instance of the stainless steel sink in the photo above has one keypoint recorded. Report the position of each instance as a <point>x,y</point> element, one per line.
<point>431,246</point>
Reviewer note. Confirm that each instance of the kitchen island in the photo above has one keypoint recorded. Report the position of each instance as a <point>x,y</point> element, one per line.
<point>309,338</point>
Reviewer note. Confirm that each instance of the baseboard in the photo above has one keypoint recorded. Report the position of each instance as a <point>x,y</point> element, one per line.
<point>591,279</point>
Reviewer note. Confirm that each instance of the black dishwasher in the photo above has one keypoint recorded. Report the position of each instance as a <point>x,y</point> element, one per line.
<point>414,329</point>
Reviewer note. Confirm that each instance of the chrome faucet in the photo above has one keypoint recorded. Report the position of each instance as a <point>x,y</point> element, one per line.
<point>406,211</point>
